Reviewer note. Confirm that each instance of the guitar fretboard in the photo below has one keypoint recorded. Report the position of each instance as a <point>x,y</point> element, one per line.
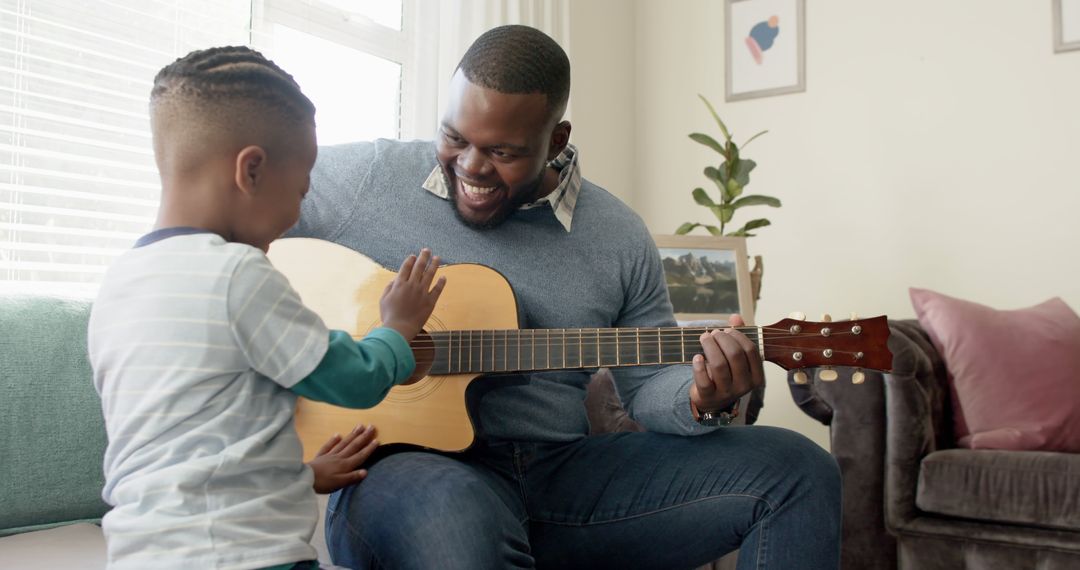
<point>519,350</point>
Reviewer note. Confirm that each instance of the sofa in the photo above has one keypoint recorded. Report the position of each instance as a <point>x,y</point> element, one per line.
<point>53,437</point>
<point>913,499</point>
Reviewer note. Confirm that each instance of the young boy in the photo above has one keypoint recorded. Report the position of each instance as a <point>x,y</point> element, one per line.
<point>200,347</point>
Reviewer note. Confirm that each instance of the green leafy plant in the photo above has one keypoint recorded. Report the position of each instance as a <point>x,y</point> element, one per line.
<point>730,178</point>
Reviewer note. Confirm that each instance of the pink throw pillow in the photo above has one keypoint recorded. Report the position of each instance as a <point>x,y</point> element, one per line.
<point>1015,374</point>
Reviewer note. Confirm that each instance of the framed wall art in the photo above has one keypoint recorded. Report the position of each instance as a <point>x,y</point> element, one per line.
<point>765,48</point>
<point>1066,25</point>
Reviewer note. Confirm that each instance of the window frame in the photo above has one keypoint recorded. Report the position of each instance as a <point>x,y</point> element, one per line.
<point>407,47</point>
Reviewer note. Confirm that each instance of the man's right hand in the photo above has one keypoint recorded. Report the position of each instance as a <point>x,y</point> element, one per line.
<point>409,299</point>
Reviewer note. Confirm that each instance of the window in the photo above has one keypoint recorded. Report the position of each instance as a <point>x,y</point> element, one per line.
<point>78,183</point>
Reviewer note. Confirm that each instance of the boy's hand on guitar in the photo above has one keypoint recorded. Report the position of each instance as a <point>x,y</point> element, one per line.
<point>409,299</point>
<point>731,367</point>
<point>337,464</point>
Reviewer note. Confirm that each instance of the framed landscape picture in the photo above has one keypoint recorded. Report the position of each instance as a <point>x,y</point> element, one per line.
<point>765,48</point>
<point>708,277</point>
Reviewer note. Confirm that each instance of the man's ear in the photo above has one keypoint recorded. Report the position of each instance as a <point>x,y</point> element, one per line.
<point>250,168</point>
<point>560,137</point>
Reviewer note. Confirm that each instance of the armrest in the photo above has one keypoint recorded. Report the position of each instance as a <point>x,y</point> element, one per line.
<point>918,417</point>
<point>879,431</point>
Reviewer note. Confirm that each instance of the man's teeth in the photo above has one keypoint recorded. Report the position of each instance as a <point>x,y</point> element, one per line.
<point>476,189</point>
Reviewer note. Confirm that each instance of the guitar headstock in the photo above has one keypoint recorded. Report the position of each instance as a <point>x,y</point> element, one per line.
<point>861,343</point>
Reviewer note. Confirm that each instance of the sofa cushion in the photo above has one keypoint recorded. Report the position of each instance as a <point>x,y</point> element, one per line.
<point>53,435</point>
<point>73,546</point>
<point>1013,373</point>
<point>1037,488</point>
<point>82,546</point>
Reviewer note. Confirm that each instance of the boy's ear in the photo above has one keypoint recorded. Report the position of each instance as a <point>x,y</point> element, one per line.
<point>250,168</point>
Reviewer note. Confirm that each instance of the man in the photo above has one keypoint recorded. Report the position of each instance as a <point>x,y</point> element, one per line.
<point>502,187</point>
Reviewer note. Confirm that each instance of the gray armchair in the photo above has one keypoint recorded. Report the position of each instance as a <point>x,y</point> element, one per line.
<point>914,500</point>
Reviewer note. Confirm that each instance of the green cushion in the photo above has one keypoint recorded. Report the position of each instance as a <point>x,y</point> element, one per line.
<point>52,435</point>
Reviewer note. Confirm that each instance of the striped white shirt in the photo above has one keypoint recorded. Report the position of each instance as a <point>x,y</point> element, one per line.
<point>194,343</point>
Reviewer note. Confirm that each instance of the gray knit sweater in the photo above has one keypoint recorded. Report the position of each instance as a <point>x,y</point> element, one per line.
<point>605,273</point>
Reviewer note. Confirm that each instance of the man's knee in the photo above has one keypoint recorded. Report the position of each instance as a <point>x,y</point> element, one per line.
<point>811,468</point>
<point>422,499</point>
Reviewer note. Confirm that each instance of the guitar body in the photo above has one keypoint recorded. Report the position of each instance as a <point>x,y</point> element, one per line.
<point>344,288</point>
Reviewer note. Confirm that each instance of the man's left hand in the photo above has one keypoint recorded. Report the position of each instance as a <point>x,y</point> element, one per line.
<point>730,367</point>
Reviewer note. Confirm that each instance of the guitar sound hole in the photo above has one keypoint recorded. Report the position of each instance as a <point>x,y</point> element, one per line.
<point>424,353</point>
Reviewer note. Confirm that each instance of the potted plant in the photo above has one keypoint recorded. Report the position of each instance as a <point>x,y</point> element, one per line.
<point>731,177</point>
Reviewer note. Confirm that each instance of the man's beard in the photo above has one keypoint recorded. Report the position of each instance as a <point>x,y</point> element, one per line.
<point>504,212</point>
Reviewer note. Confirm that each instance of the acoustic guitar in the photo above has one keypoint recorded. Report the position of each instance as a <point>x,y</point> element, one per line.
<point>474,331</point>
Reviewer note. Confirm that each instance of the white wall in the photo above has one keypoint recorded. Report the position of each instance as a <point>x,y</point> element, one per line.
<point>937,145</point>
<point>602,91</point>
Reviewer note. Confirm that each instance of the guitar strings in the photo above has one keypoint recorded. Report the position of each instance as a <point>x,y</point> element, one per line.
<point>591,340</point>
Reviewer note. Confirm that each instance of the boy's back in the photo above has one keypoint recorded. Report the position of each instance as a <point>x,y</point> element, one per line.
<point>203,464</point>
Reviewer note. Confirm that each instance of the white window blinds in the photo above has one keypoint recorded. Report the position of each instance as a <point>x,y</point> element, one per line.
<point>77,178</point>
<point>78,183</point>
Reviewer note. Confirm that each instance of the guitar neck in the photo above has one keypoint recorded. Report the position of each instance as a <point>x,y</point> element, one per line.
<point>520,350</point>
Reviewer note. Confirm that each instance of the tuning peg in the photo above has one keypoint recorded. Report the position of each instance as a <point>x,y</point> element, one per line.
<point>798,316</point>
<point>800,377</point>
<point>858,377</point>
<point>854,316</point>
<point>827,374</point>
<point>826,318</point>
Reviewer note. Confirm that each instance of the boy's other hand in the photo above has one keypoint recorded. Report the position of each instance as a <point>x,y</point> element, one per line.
<point>337,463</point>
<point>409,299</point>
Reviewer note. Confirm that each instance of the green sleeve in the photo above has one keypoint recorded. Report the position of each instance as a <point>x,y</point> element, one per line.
<point>358,374</point>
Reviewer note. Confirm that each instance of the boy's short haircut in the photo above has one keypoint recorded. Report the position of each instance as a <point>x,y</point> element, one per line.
<point>232,92</point>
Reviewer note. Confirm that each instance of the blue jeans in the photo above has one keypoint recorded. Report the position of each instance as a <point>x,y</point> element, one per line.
<point>624,500</point>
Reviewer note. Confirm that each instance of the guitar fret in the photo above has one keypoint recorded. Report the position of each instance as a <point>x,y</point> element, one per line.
<point>682,343</point>
<point>557,348</point>
<point>581,349</point>
<point>617,359</point>
<point>696,334</point>
<point>547,349</point>
<point>637,343</point>
<point>564,348</point>
<point>673,347</point>
<point>547,346</point>
<point>628,348</point>
<point>569,344</point>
